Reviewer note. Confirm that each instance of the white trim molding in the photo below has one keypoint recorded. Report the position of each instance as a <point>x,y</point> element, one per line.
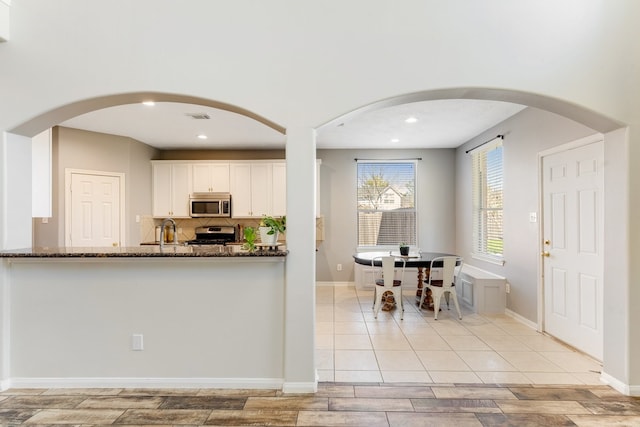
<point>229,383</point>
<point>626,389</point>
<point>336,284</point>
<point>300,387</point>
<point>523,320</point>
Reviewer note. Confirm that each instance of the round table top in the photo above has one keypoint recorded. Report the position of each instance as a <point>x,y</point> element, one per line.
<point>414,259</point>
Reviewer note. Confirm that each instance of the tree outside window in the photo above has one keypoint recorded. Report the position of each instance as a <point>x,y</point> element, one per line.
<point>488,202</point>
<point>386,203</point>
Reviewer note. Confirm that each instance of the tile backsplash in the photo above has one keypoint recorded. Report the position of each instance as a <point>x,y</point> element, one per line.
<point>187,226</point>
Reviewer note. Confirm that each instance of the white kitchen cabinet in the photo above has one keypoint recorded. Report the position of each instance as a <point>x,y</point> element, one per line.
<point>251,189</point>
<point>279,190</point>
<point>210,177</point>
<point>171,188</point>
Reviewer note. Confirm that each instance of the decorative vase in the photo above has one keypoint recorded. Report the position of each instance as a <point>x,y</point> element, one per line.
<point>268,239</point>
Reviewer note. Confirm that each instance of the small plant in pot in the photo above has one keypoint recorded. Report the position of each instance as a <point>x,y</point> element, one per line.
<point>250,237</point>
<point>270,228</point>
<point>404,249</point>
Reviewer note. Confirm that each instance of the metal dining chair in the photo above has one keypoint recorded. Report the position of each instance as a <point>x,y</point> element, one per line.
<point>441,281</point>
<point>386,282</point>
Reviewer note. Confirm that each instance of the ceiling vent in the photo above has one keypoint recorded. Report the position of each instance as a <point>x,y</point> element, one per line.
<point>198,116</point>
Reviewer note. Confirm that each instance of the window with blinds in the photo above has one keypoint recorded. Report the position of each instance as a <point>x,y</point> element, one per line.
<point>487,201</point>
<point>386,203</point>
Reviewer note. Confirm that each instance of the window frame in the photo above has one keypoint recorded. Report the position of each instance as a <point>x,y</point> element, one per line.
<point>414,164</point>
<point>480,203</point>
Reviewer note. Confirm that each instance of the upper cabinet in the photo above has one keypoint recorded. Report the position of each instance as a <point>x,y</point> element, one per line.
<point>251,189</point>
<point>171,189</point>
<point>210,177</point>
<point>257,187</point>
<point>279,192</point>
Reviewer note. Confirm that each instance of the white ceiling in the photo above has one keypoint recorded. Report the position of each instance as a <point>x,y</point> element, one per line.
<point>169,125</point>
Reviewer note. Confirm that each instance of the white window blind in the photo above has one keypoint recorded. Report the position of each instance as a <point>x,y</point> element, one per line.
<point>386,203</point>
<point>487,201</point>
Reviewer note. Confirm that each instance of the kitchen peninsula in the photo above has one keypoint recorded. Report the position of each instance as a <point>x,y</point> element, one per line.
<point>145,317</point>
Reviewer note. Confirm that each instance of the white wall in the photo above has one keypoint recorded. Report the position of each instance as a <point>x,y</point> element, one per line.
<point>435,189</point>
<point>526,134</point>
<point>15,168</point>
<point>302,64</point>
<point>78,149</point>
<point>72,322</point>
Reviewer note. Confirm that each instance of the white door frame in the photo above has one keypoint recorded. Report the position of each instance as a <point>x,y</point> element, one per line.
<point>597,137</point>
<point>67,200</point>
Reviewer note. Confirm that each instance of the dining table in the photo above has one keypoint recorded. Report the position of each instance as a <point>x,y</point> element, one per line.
<point>420,260</point>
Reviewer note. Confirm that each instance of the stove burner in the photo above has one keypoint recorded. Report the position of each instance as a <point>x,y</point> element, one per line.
<point>207,242</point>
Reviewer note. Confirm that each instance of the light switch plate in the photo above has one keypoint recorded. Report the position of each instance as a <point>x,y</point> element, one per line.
<point>533,216</point>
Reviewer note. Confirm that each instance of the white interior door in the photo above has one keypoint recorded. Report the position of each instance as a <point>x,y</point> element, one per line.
<point>573,207</point>
<point>95,210</point>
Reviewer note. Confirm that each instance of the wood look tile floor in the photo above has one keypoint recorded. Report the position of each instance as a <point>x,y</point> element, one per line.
<point>478,371</point>
<point>335,404</point>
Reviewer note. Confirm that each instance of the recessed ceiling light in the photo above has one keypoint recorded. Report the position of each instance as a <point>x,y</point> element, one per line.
<point>149,103</point>
<point>202,136</point>
<point>395,140</point>
<point>411,120</point>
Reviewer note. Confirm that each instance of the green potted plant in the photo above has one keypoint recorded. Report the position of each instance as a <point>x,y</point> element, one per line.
<point>250,237</point>
<point>404,249</point>
<point>270,228</point>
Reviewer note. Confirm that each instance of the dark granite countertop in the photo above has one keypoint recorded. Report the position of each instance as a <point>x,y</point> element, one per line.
<point>138,252</point>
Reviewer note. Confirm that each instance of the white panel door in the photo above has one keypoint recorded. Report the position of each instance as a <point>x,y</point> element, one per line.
<point>95,210</point>
<point>573,182</point>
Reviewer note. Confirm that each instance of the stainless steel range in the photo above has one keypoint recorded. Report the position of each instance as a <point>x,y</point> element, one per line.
<point>214,235</point>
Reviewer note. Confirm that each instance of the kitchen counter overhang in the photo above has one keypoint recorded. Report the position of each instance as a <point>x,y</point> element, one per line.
<point>173,251</point>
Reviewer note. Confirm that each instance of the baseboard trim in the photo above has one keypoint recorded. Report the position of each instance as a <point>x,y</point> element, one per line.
<point>231,383</point>
<point>5,385</point>
<point>300,387</point>
<point>626,389</point>
<point>319,284</point>
<point>523,320</point>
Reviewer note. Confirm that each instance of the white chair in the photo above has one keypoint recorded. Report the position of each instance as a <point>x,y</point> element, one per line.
<point>386,282</point>
<point>441,281</point>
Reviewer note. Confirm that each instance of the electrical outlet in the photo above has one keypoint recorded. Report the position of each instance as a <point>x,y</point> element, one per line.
<point>508,288</point>
<point>137,342</point>
<point>45,220</point>
<point>137,218</point>
<point>339,267</point>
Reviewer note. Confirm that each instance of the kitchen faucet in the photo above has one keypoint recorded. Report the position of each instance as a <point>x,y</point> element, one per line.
<point>175,231</point>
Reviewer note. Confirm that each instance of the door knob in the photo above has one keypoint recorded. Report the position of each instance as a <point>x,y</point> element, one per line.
<point>545,254</point>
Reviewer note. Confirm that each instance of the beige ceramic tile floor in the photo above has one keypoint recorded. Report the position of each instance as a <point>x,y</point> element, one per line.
<point>353,346</point>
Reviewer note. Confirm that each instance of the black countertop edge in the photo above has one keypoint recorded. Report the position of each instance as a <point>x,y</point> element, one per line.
<point>134,252</point>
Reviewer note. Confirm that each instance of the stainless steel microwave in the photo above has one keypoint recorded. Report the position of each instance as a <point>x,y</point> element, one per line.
<point>210,205</point>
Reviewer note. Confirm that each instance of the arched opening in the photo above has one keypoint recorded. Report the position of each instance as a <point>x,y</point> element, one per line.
<point>558,106</point>
<point>557,121</point>
<point>51,118</point>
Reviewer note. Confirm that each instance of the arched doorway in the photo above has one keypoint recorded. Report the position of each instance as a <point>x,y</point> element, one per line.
<point>579,119</point>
